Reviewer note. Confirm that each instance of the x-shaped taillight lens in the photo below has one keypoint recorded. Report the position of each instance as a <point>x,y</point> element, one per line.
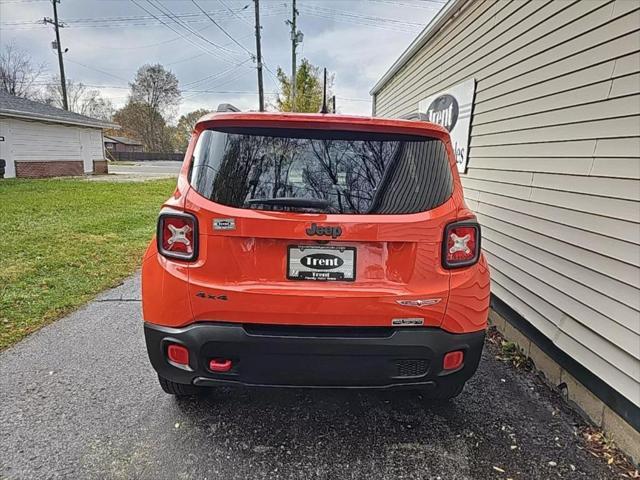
<point>461,244</point>
<point>177,235</point>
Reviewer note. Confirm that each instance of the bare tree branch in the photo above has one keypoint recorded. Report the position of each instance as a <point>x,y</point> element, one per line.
<point>18,73</point>
<point>81,99</point>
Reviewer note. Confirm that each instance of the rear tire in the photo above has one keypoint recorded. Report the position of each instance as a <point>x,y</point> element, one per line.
<point>444,393</point>
<point>178,389</point>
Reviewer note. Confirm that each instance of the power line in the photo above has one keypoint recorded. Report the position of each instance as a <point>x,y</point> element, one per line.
<point>426,4</point>
<point>179,22</point>
<point>366,20</point>
<point>359,16</point>
<point>235,14</point>
<point>182,60</point>
<point>232,78</point>
<point>164,42</point>
<point>353,99</point>
<point>122,18</point>
<point>216,75</point>
<point>182,35</point>
<point>122,22</point>
<point>186,59</point>
<point>97,69</point>
<point>276,82</point>
<point>185,15</point>
<point>120,87</point>
<point>222,29</point>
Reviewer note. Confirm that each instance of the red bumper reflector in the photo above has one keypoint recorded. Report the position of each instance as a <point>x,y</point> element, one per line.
<point>453,360</point>
<point>178,354</point>
<point>220,365</point>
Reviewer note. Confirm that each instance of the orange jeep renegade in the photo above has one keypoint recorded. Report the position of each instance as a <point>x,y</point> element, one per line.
<point>311,250</point>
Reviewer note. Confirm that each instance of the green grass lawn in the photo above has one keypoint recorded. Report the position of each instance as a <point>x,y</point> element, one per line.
<point>62,241</point>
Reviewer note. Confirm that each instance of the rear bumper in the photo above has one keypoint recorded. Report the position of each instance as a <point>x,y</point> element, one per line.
<point>322,357</point>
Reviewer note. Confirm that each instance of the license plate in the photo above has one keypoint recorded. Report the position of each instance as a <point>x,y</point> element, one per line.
<point>323,263</point>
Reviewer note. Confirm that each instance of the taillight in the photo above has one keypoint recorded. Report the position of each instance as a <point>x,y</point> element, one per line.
<point>178,235</point>
<point>461,244</point>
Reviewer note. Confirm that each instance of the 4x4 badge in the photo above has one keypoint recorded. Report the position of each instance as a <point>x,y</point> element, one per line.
<point>328,231</point>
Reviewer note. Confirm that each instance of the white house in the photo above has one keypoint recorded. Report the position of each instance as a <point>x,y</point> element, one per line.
<point>38,140</point>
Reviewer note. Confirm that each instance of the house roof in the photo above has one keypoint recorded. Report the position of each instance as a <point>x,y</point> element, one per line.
<point>123,140</point>
<point>12,106</point>
<point>446,12</point>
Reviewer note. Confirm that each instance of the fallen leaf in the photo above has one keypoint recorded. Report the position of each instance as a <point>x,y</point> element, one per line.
<point>498,469</point>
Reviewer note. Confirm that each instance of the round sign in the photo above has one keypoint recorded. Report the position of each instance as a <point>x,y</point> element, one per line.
<point>444,111</point>
<point>322,261</point>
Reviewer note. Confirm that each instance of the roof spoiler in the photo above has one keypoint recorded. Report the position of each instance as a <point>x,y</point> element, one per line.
<point>227,107</point>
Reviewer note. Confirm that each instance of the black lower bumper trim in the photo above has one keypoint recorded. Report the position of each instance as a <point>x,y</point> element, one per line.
<point>314,357</point>
<point>217,382</point>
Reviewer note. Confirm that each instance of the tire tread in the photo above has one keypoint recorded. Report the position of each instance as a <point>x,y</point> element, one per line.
<point>177,389</point>
<point>445,392</point>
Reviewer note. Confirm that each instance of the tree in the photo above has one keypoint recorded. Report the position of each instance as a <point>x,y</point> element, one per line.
<point>309,84</point>
<point>157,88</point>
<point>153,100</point>
<point>140,121</point>
<point>18,73</point>
<point>81,99</point>
<point>185,127</point>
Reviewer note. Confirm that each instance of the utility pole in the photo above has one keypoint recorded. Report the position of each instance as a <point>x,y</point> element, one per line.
<point>259,57</point>
<point>324,108</point>
<point>57,27</point>
<point>296,38</point>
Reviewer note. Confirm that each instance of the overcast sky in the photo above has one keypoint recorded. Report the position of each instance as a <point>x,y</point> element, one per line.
<point>108,40</point>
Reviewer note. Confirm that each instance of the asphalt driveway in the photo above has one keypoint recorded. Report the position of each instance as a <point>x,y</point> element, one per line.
<point>79,400</point>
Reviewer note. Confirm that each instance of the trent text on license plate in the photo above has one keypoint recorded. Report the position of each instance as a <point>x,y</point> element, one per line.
<point>324,263</point>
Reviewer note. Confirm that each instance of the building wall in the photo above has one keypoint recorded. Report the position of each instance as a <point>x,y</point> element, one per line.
<point>554,164</point>
<point>121,147</point>
<point>49,169</point>
<point>54,149</point>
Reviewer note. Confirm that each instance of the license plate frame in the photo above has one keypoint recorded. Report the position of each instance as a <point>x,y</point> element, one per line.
<point>345,272</point>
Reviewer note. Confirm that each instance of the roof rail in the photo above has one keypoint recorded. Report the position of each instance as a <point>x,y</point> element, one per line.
<point>227,107</point>
<point>414,116</point>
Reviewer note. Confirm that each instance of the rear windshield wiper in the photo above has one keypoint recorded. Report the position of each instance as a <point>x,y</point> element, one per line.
<point>316,203</point>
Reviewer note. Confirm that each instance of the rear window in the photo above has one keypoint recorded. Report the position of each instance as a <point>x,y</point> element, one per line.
<point>315,170</point>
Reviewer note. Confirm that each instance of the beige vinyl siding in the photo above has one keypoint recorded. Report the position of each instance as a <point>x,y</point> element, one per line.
<point>554,163</point>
